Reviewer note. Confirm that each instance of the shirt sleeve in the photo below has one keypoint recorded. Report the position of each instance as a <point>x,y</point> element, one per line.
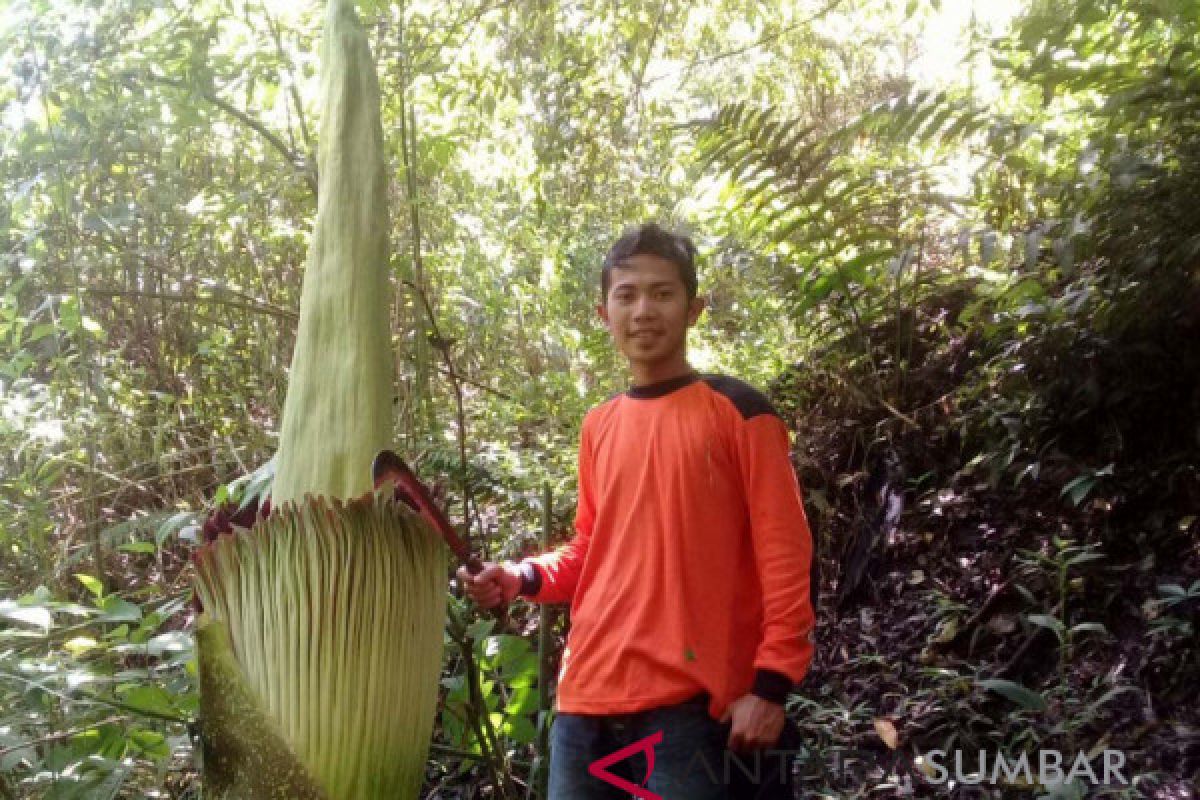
<point>553,576</point>
<point>782,552</point>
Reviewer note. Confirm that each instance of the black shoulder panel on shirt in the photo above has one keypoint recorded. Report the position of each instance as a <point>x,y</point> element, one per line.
<point>750,402</point>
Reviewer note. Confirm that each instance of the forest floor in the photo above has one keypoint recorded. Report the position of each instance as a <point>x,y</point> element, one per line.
<point>990,621</point>
<point>948,605</point>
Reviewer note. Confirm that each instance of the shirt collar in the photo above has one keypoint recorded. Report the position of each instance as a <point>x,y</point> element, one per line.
<point>651,390</point>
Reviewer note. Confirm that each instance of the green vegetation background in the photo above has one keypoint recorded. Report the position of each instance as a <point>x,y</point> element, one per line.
<point>977,302</point>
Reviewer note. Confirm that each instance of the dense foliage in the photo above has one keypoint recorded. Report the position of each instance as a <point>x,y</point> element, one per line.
<point>976,297</point>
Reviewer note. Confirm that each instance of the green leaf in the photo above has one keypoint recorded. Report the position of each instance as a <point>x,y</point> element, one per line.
<point>30,615</point>
<point>1073,790</point>
<point>92,584</point>
<point>521,671</point>
<point>169,642</point>
<point>1021,695</point>
<point>172,525</point>
<point>138,547</point>
<point>480,628</point>
<point>520,730</point>
<point>1080,488</point>
<point>259,484</point>
<point>116,609</point>
<point>504,649</point>
<point>152,699</point>
<point>152,743</point>
<point>58,758</point>
<point>15,754</point>
<point>1047,621</point>
<point>524,700</point>
<point>1106,697</point>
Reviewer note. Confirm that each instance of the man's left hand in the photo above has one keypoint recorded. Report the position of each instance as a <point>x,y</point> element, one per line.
<point>757,723</point>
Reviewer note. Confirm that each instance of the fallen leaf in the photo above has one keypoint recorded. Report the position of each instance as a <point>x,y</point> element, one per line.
<point>1150,609</point>
<point>946,631</point>
<point>887,732</point>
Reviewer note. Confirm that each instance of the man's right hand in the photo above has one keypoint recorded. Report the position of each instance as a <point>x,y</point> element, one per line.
<point>496,584</point>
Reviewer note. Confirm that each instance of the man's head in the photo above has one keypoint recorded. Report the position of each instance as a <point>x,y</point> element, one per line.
<point>649,285</point>
<point>651,239</point>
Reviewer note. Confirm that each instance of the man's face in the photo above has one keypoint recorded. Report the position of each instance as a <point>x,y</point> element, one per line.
<point>647,311</point>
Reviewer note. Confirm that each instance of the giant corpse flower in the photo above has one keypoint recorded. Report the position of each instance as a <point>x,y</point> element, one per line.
<point>319,642</point>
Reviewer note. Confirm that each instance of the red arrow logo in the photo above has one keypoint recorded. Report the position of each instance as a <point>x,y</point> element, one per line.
<point>597,769</point>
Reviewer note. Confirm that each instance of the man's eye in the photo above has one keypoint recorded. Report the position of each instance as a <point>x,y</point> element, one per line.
<point>663,294</point>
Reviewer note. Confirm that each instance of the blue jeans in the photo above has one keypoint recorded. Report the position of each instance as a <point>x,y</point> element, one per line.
<point>689,735</point>
<point>690,762</point>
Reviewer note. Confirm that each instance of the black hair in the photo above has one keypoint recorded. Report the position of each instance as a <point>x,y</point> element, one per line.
<point>652,239</point>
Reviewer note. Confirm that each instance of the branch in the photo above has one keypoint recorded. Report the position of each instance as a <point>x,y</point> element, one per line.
<point>178,297</point>
<point>65,494</point>
<point>60,735</point>
<point>469,23</point>
<point>766,39</point>
<point>1010,668</point>
<point>273,139</point>
<point>104,701</point>
<point>454,374</point>
<point>639,78</point>
<point>295,93</point>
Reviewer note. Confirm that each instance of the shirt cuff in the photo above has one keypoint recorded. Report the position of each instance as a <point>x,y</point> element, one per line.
<point>531,579</point>
<point>771,686</point>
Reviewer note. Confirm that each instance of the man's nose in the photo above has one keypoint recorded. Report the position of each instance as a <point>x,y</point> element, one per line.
<point>644,307</point>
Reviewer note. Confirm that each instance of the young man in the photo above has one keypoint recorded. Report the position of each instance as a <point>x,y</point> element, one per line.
<point>688,575</point>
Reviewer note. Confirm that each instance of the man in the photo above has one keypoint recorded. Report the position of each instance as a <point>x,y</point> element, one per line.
<point>688,575</point>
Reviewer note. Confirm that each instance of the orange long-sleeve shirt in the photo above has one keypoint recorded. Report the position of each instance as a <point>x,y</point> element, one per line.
<point>689,568</point>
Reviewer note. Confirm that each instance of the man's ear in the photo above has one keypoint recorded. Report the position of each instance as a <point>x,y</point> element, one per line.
<point>695,307</point>
<point>602,310</point>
